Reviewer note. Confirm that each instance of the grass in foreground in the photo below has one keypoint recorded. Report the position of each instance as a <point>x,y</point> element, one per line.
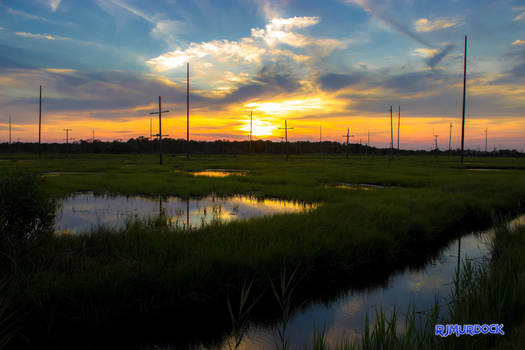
<point>144,273</point>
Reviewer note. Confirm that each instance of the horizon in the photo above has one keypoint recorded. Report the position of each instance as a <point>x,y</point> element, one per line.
<point>102,65</point>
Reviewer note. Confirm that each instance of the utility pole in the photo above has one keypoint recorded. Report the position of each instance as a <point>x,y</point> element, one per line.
<point>251,118</point>
<point>398,125</point>
<point>187,110</point>
<point>9,128</point>
<point>391,131</point>
<point>436,142</point>
<point>347,141</point>
<point>320,134</point>
<point>150,135</point>
<point>486,138</point>
<point>39,120</point>
<point>464,93</point>
<point>450,139</point>
<point>286,128</point>
<point>368,141</point>
<point>67,138</point>
<point>160,128</point>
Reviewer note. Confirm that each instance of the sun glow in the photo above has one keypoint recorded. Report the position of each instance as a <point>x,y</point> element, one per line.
<point>260,128</point>
<point>287,107</point>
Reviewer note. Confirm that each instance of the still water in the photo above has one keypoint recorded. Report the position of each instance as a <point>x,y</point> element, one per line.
<point>345,317</point>
<point>83,212</point>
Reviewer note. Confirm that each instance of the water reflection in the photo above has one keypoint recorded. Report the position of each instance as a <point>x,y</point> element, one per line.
<point>83,212</point>
<point>344,317</point>
<point>220,172</point>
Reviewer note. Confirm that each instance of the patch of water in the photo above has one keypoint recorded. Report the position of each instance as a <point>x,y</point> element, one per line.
<point>83,212</point>
<point>345,317</point>
<point>220,172</point>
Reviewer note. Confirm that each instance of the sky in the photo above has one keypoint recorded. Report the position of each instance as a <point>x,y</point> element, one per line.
<point>323,66</point>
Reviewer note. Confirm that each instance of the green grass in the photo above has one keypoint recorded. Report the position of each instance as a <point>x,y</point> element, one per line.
<point>98,280</point>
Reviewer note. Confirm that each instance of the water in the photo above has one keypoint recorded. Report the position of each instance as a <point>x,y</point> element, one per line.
<point>220,172</point>
<point>83,212</point>
<point>345,317</point>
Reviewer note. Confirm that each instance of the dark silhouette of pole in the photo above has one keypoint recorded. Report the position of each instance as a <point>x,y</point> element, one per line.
<point>347,141</point>
<point>188,110</point>
<point>67,130</point>
<point>286,128</point>
<point>320,134</point>
<point>486,138</point>
<point>9,128</point>
<point>450,139</point>
<point>251,117</point>
<point>436,142</point>
<point>39,120</point>
<point>160,128</point>
<point>464,95</point>
<point>398,125</point>
<point>150,132</point>
<point>391,131</point>
<point>368,142</point>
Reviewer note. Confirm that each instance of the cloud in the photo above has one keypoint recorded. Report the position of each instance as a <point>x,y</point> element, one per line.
<point>378,11</point>
<point>424,52</point>
<point>519,17</point>
<point>250,50</point>
<point>40,36</point>
<point>23,14</point>
<point>164,29</point>
<point>518,42</point>
<point>334,81</point>
<point>425,25</point>
<point>437,57</point>
<point>54,4</point>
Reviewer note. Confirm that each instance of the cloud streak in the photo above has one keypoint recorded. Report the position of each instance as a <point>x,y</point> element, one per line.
<point>426,25</point>
<point>378,12</point>
<point>40,36</point>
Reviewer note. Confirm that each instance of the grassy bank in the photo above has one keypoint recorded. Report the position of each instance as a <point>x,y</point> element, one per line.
<point>148,282</point>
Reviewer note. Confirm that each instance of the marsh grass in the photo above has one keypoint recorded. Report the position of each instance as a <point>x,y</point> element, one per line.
<point>130,276</point>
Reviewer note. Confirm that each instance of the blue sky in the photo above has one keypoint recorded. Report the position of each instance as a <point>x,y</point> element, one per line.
<point>335,64</point>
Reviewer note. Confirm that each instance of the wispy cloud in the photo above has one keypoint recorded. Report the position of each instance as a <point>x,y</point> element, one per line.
<point>438,56</point>
<point>519,17</point>
<point>378,11</point>
<point>426,25</point>
<point>424,52</point>
<point>40,36</point>
<point>518,42</point>
<point>261,42</point>
<point>164,29</point>
<point>54,4</point>
<point>23,14</point>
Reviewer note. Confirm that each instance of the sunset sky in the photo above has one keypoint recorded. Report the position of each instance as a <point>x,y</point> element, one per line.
<point>337,64</point>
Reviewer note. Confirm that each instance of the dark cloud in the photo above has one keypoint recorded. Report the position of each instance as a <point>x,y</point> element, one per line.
<point>334,81</point>
<point>434,60</point>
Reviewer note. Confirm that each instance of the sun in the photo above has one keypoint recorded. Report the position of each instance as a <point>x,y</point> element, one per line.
<point>260,128</point>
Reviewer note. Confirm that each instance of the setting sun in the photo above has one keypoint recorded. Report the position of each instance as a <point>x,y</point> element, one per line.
<point>260,128</point>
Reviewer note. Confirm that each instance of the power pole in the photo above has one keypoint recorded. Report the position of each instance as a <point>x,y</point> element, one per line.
<point>187,110</point>
<point>160,128</point>
<point>398,125</point>
<point>391,131</point>
<point>9,128</point>
<point>150,135</point>
<point>286,128</point>
<point>486,134</point>
<point>347,141</point>
<point>39,120</point>
<point>436,142</point>
<point>67,138</point>
<point>251,117</point>
<point>450,139</point>
<point>320,134</point>
<point>368,142</point>
<point>464,93</point>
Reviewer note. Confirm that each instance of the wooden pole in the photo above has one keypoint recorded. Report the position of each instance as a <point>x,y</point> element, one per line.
<point>188,110</point>
<point>464,95</point>
<point>160,131</point>
<point>150,135</point>
<point>486,138</point>
<point>251,117</point>
<point>286,137</point>
<point>450,139</point>
<point>398,125</point>
<point>391,131</point>
<point>67,138</point>
<point>9,128</point>
<point>39,120</point>
<point>347,141</point>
